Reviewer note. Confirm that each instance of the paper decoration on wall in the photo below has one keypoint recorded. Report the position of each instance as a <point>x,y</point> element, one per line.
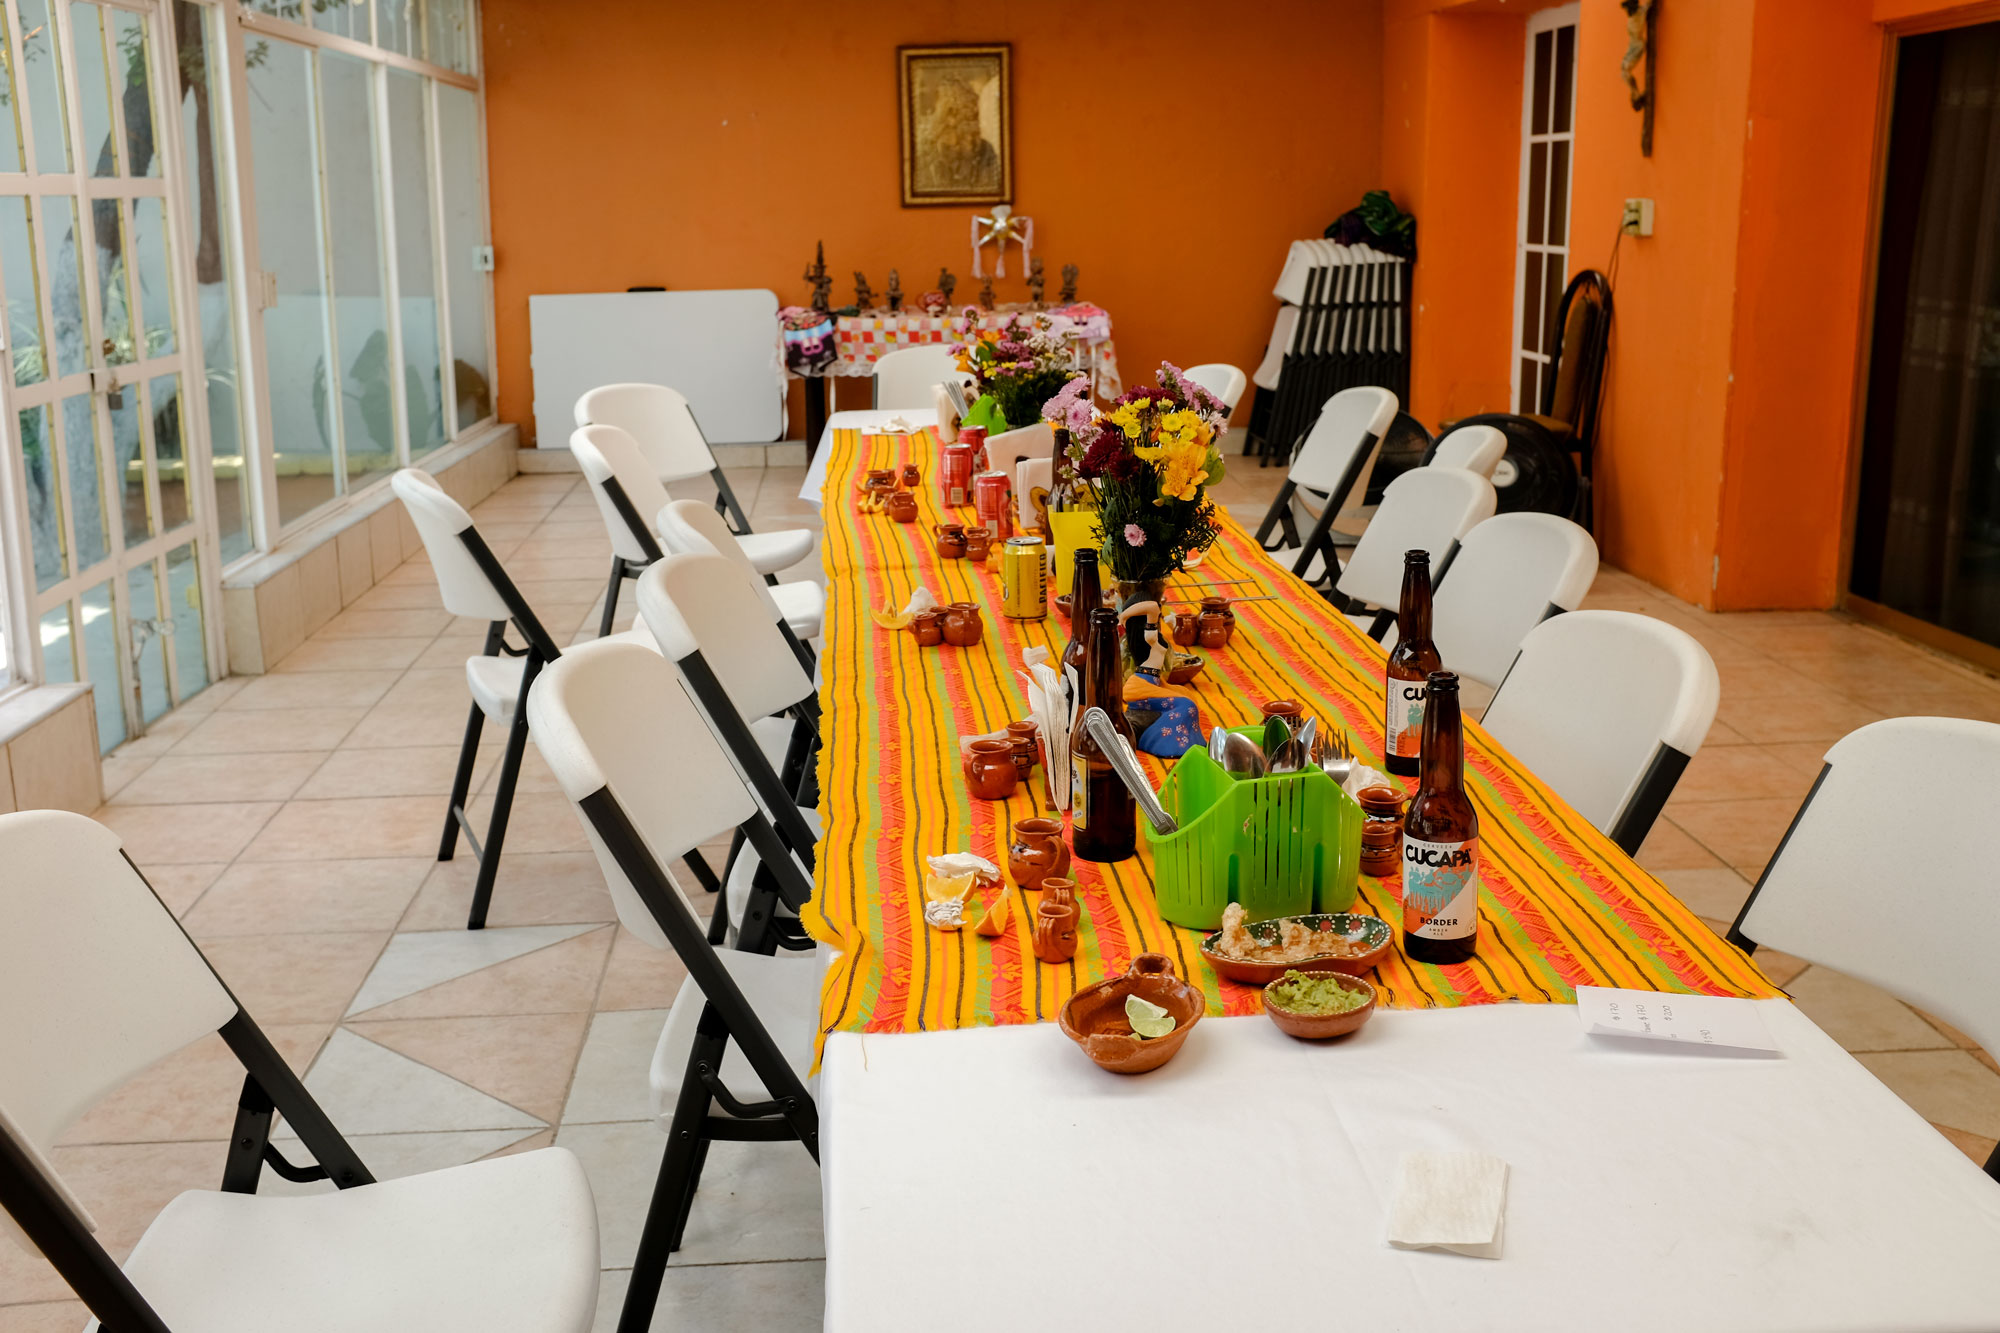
<point>996,229</point>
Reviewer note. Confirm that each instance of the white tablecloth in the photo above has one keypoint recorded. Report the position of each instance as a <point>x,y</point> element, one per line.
<point>815,481</point>
<point>993,1178</point>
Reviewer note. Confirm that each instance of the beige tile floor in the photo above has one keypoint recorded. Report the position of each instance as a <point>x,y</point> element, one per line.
<point>291,821</point>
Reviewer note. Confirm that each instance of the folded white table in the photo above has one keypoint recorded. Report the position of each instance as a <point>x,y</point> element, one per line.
<point>863,419</point>
<point>993,1178</point>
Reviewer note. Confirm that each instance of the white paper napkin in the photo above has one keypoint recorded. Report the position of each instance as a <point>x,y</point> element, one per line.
<point>1450,1201</point>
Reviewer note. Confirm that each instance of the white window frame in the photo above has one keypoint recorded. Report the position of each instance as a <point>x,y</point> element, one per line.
<point>1546,20</point>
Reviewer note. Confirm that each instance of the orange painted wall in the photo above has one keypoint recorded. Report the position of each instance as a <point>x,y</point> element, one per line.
<point>1168,150</point>
<point>1660,450</point>
<point>1804,248</point>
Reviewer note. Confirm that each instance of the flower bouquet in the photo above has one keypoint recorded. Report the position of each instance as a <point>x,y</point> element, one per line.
<point>1016,368</point>
<point>1148,461</point>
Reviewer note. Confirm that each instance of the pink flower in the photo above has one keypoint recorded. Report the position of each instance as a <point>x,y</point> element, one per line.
<point>1134,535</point>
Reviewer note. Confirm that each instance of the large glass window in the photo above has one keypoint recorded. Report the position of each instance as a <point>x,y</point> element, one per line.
<point>464,185</point>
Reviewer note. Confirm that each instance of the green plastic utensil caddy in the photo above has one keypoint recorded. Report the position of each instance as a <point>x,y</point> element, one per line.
<point>1281,845</point>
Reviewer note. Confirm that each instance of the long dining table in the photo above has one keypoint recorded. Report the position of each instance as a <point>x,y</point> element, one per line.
<point>979,1172</point>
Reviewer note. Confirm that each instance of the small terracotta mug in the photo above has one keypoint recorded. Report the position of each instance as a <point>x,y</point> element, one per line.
<point>881,479</point>
<point>1056,920</point>
<point>1027,740</point>
<point>903,506</point>
<point>1184,628</point>
<point>928,626</point>
<point>963,627</point>
<point>978,544</point>
<point>1038,852</point>
<point>1291,710</point>
<point>990,770</point>
<point>911,475</point>
<point>950,541</point>
<point>1216,623</point>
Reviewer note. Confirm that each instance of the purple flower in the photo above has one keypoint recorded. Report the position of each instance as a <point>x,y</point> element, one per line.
<point>1134,535</point>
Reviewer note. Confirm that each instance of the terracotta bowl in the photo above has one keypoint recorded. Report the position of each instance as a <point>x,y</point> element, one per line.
<point>1094,1018</point>
<point>1314,1027</point>
<point>1186,671</point>
<point>1378,936</point>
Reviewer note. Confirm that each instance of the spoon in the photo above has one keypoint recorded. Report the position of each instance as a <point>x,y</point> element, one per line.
<point>1276,733</point>
<point>1237,754</point>
<point>1128,771</point>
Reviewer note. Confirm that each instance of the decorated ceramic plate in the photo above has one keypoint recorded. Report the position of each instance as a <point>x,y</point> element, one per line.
<point>1370,938</point>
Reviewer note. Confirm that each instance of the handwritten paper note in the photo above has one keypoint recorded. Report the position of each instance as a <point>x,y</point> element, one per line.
<point>1718,1021</point>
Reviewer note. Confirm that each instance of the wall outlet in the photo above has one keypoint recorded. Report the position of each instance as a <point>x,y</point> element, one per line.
<point>1638,219</point>
<point>482,257</point>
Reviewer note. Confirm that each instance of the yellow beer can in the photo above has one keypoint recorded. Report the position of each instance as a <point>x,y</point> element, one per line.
<point>1024,579</point>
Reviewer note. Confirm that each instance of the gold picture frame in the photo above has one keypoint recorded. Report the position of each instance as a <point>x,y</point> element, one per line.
<point>957,109</point>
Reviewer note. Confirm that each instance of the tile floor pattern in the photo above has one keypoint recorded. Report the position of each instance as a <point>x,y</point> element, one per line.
<point>292,820</point>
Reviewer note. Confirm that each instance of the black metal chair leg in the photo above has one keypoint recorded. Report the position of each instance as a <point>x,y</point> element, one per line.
<point>679,1175</point>
<point>609,618</point>
<point>461,783</point>
<point>687,1196</point>
<point>503,806</point>
<point>726,495</point>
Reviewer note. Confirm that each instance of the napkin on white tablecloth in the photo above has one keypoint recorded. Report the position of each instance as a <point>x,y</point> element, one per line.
<point>1450,1201</point>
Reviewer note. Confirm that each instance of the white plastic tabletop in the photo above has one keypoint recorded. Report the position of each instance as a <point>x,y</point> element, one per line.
<point>993,1178</point>
<point>815,481</point>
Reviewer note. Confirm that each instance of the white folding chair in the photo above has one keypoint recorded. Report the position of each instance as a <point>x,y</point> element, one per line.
<point>1223,380</point>
<point>1427,508</point>
<point>649,781</point>
<point>661,422</point>
<point>1334,459</point>
<point>473,583</point>
<point>1474,448</point>
<point>755,696</point>
<point>799,608</point>
<point>99,982</point>
<point>1511,573</point>
<point>1607,707</point>
<point>1845,862</point>
<point>907,378</point>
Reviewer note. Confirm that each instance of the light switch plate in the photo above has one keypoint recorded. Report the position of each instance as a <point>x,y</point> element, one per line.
<point>482,258</point>
<point>1638,219</point>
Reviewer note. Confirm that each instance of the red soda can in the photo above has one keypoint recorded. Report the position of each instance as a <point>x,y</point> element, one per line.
<point>989,493</point>
<point>976,437</point>
<point>955,473</point>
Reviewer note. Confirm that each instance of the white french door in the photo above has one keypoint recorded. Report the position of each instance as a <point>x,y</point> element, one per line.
<point>1541,238</point>
<point>106,439</point>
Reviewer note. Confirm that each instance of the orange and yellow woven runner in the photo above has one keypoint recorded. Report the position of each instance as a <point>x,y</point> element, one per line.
<point>1560,905</point>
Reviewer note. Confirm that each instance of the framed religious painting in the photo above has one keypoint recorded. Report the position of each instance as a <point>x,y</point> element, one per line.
<point>957,121</point>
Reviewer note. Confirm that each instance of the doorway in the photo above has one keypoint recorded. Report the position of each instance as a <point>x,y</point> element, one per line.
<point>1541,235</point>
<point>119,539</point>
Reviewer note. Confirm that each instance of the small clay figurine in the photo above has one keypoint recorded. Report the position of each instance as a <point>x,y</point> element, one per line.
<point>822,285</point>
<point>986,295</point>
<point>864,295</point>
<point>1036,280</point>
<point>895,292</point>
<point>947,282</point>
<point>1068,293</point>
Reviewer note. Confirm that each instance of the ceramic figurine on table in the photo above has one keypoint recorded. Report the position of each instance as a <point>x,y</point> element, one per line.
<point>895,293</point>
<point>1036,281</point>
<point>947,283</point>
<point>986,296</point>
<point>1067,295</point>
<point>864,295</point>
<point>822,283</point>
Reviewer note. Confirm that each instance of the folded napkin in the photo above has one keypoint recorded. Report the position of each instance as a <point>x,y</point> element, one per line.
<point>1450,1201</point>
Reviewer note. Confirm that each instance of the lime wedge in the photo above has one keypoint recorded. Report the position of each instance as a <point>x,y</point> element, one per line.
<point>1148,1020</point>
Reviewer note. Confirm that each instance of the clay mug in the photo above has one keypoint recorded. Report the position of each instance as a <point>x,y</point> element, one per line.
<point>1184,628</point>
<point>963,628</point>
<point>1216,622</point>
<point>903,506</point>
<point>912,475</point>
<point>1027,746</point>
<point>1291,710</point>
<point>978,544</point>
<point>881,479</point>
<point>950,541</point>
<point>1038,852</point>
<point>1056,921</point>
<point>990,770</point>
<point>928,626</point>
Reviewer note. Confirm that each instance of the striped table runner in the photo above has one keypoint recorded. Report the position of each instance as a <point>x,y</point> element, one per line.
<point>1560,904</point>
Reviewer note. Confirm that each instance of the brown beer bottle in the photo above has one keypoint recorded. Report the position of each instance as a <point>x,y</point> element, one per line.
<point>1412,659</point>
<point>1441,839</point>
<point>1085,596</point>
<point>1104,819</point>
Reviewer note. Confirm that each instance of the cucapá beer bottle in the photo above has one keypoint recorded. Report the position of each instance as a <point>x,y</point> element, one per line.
<point>1412,660</point>
<point>1086,594</point>
<point>1441,839</point>
<point>1104,819</point>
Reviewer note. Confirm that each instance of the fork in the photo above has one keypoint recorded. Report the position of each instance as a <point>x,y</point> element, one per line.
<point>1334,755</point>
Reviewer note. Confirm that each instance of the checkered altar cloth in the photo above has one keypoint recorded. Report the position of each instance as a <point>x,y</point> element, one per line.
<point>859,340</point>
